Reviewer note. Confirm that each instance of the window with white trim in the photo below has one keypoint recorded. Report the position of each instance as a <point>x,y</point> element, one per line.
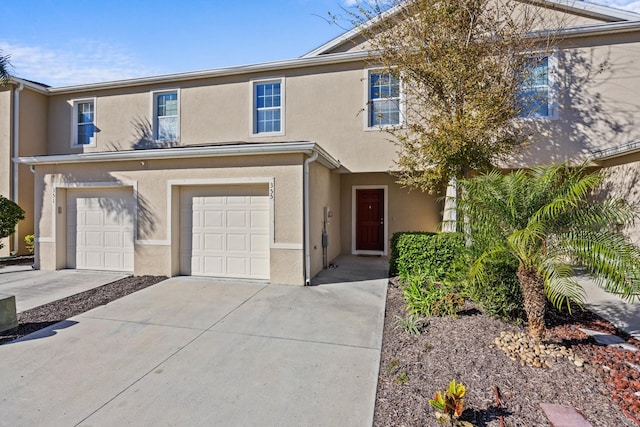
<point>166,116</point>
<point>384,99</point>
<point>535,96</point>
<point>84,128</point>
<point>268,106</point>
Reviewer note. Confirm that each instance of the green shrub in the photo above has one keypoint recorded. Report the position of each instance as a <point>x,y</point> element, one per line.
<point>10,214</point>
<point>434,255</point>
<point>395,253</point>
<point>502,296</point>
<point>427,298</point>
<point>29,241</point>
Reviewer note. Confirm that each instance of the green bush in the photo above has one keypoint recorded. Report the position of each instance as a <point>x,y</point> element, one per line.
<point>10,214</point>
<point>29,241</point>
<point>435,255</point>
<point>427,298</point>
<point>502,296</point>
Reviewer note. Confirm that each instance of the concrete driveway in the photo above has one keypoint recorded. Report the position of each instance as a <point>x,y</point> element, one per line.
<point>33,288</point>
<point>202,352</point>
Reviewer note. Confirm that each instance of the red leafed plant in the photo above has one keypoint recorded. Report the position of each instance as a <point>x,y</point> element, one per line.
<point>449,404</point>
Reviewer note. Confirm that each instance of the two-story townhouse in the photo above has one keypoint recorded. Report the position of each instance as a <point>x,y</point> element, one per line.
<point>270,171</point>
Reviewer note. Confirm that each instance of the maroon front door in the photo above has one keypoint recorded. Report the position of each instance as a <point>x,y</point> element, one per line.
<point>370,219</point>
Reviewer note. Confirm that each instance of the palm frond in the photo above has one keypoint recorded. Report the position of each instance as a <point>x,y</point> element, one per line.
<point>560,285</point>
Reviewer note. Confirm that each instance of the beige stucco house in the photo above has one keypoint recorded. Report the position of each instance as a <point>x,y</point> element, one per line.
<point>270,171</point>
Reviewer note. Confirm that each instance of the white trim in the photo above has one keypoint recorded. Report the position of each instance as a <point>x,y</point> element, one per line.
<point>367,102</point>
<point>254,109</point>
<point>45,240</point>
<point>154,104</point>
<point>289,246</point>
<point>354,251</point>
<point>74,121</point>
<point>153,242</point>
<point>187,152</point>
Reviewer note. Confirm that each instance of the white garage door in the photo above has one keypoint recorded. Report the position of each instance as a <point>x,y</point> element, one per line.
<point>100,229</point>
<point>225,231</point>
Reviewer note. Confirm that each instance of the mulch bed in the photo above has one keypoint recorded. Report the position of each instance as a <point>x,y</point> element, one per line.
<point>48,314</point>
<point>413,367</point>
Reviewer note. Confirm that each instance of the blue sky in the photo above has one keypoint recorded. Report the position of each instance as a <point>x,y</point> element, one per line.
<point>68,42</point>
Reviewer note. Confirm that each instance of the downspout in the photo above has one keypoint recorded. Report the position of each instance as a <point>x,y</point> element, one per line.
<point>16,144</point>
<point>307,232</point>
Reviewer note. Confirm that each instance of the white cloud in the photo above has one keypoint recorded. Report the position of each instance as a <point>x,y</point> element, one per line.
<point>94,62</point>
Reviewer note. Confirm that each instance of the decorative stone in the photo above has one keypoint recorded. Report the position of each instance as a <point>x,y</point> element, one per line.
<point>8,317</point>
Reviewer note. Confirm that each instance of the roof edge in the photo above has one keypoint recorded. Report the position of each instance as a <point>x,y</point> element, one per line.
<point>307,147</point>
<point>581,7</point>
<point>217,72</point>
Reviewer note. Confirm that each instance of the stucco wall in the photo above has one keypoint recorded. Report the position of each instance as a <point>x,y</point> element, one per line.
<point>33,134</point>
<point>156,182</point>
<point>598,100</point>
<point>407,210</point>
<point>325,193</point>
<point>5,154</point>
<point>324,104</point>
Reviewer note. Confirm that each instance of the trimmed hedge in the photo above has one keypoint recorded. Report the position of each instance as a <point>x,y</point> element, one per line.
<point>432,254</point>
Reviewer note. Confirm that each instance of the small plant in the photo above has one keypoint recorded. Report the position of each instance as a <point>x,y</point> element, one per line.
<point>29,241</point>
<point>449,403</point>
<point>392,366</point>
<point>411,324</point>
<point>402,378</point>
<point>426,298</point>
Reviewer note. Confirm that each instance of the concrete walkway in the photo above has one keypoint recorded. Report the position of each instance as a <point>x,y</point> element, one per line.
<point>33,288</point>
<point>201,352</point>
<point>622,314</point>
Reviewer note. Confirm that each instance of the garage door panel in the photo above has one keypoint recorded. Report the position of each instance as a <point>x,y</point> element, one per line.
<point>213,219</point>
<point>100,229</point>
<point>236,242</point>
<point>218,225</point>
<point>213,242</point>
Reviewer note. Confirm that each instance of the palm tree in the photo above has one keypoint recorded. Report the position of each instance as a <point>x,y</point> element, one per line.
<point>4,69</point>
<point>548,219</point>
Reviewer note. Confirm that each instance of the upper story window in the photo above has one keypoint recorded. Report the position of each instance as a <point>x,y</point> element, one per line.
<point>384,99</point>
<point>536,94</point>
<point>84,128</point>
<point>166,116</point>
<point>268,106</point>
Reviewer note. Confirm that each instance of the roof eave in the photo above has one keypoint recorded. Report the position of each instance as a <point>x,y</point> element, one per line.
<point>584,8</point>
<point>186,153</point>
<point>219,72</point>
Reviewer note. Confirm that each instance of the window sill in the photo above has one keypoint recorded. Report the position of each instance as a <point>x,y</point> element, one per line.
<point>266,134</point>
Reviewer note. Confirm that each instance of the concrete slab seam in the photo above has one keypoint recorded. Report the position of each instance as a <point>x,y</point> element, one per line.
<point>296,340</point>
<point>164,360</point>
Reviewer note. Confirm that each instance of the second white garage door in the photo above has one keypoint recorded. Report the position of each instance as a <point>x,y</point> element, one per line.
<point>224,231</point>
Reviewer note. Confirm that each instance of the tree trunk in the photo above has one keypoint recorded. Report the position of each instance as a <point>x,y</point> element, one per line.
<point>535,301</point>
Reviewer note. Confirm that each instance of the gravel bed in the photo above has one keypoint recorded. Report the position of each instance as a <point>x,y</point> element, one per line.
<point>48,314</point>
<point>413,367</point>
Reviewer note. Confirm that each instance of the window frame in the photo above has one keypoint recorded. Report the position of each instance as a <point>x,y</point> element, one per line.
<point>154,117</point>
<point>552,93</point>
<point>254,106</point>
<point>75,103</point>
<point>368,125</point>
